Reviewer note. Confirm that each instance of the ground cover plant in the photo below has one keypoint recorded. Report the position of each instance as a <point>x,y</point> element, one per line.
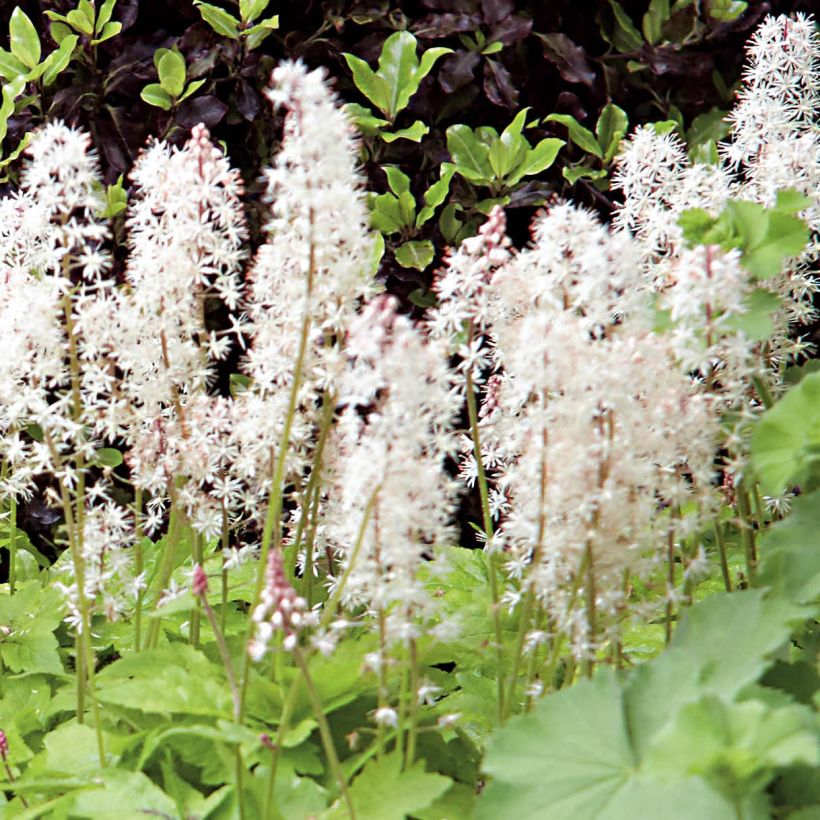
<point>287,533</point>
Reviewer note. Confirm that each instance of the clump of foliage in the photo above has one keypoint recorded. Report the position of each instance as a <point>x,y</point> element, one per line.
<point>250,600</point>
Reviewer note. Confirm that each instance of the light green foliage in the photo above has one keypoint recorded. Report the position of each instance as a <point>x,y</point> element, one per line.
<point>602,146</point>
<point>386,791</point>
<point>395,213</point>
<point>766,237</point>
<point>85,20</point>
<point>390,87</point>
<point>786,441</point>
<point>246,26</point>
<point>499,161</point>
<point>171,89</point>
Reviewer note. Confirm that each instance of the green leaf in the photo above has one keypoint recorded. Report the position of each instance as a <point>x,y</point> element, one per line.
<point>11,91</point>
<point>436,193</point>
<point>108,456</point>
<point>414,133</point>
<point>171,70</point>
<point>791,561</point>
<point>653,20</point>
<point>572,757</point>
<point>573,174</point>
<point>364,119</point>
<point>791,201</point>
<point>104,16</point>
<point>625,37</point>
<point>219,20</point>
<point>109,30</point>
<point>59,31</point>
<point>470,156</point>
<point>10,66</point>
<point>386,214</point>
<point>384,791</point>
<point>416,254</point>
<point>154,94</point>
<point>582,137</point>
<point>249,10</point>
<point>24,41</point>
<point>57,61</point>
<point>191,89</point>
<point>610,129</point>
<point>786,442</point>
<point>80,22</point>
<point>257,34</point>
<point>373,86</point>
<point>756,320</point>
<point>510,149</point>
<point>398,67</point>
<point>787,236</point>
<point>398,181</point>
<point>538,159</point>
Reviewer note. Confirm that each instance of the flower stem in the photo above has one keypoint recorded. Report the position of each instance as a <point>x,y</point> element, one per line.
<point>324,731</point>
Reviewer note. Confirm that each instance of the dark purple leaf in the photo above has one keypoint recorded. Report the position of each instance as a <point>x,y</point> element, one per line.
<point>498,85</point>
<point>530,194</point>
<point>674,61</point>
<point>247,100</point>
<point>496,10</point>
<point>126,12</point>
<point>443,25</point>
<point>570,59</point>
<point>208,110</point>
<point>510,30</point>
<point>454,6</point>
<point>569,103</point>
<point>457,70</point>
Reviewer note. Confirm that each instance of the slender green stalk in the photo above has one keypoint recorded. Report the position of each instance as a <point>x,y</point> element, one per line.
<point>670,582</point>
<point>324,731</point>
<point>139,566</point>
<point>747,530</point>
<point>413,706</point>
<point>724,563</point>
<point>592,617</point>
<point>12,544</point>
<point>175,526</point>
<point>223,605</point>
<point>196,555</point>
<point>230,673</point>
<point>284,725</point>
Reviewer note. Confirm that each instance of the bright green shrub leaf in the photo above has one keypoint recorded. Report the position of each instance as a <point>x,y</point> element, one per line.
<point>786,441</point>
<point>399,74</point>
<point>398,181</point>
<point>80,21</point>
<point>219,20</point>
<point>109,30</point>
<point>171,70</point>
<point>373,86</point>
<point>257,34</point>
<point>104,15</point>
<point>416,254</point>
<point>249,10</point>
<point>24,41</point>
<point>386,792</point>
<point>538,159</point>
<point>582,137</point>
<point>386,215</point>
<point>469,154</point>
<point>11,91</point>
<point>573,174</point>
<point>436,193</point>
<point>786,237</point>
<point>610,129</point>
<point>413,132</point>
<point>652,23</point>
<point>154,94</point>
<point>191,89</point>
<point>626,37</point>
<point>572,757</point>
<point>58,60</point>
<point>10,66</point>
<point>364,119</point>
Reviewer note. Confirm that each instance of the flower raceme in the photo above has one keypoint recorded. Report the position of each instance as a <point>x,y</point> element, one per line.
<point>591,432</point>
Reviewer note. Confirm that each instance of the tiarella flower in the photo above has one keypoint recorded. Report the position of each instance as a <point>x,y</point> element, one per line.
<point>305,284</point>
<point>390,500</point>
